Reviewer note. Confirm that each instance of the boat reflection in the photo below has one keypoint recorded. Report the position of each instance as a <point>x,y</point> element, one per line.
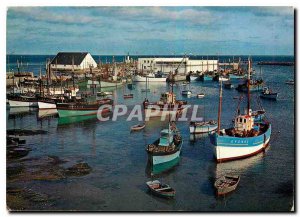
<point>198,136</point>
<point>46,113</point>
<point>16,112</point>
<point>161,169</point>
<point>239,166</point>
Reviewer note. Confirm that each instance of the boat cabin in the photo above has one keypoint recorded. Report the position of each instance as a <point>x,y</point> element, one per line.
<point>243,122</point>
<point>166,137</point>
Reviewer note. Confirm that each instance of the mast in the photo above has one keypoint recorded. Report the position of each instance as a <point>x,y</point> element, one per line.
<point>73,72</point>
<point>248,84</point>
<point>220,109</point>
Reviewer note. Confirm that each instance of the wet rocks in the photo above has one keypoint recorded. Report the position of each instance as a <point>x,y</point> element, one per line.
<point>79,169</point>
<point>23,132</point>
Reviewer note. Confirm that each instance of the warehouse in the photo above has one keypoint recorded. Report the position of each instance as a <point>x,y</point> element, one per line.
<point>183,65</point>
<point>68,60</point>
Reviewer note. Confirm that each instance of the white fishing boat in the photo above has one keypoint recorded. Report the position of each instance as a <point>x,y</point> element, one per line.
<point>200,95</point>
<point>151,77</point>
<point>186,92</point>
<point>23,101</point>
<point>103,84</point>
<point>246,138</point>
<point>203,126</point>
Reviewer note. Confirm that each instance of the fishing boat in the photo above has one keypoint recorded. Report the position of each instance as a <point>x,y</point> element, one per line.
<point>246,138</point>
<point>194,78</point>
<point>103,84</point>
<point>160,189</point>
<point>200,95</point>
<point>290,82</point>
<point>223,78</point>
<point>186,92</point>
<point>228,85</point>
<point>167,105</point>
<point>128,96</point>
<point>151,77</point>
<point>138,127</point>
<point>206,78</point>
<point>203,126</point>
<point>226,184</point>
<point>236,76</point>
<point>22,101</point>
<point>83,108</point>
<point>164,153</point>
<point>268,94</point>
<point>104,93</point>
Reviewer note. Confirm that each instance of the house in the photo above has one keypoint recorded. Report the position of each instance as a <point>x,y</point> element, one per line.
<point>68,60</point>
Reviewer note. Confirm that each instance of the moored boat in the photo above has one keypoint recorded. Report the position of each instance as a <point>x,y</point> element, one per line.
<point>226,184</point>
<point>151,77</point>
<point>166,105</point>
<point>138,127</point>
<point>203,126</point>
<point>83,108</point>
<point>22,101</point>
<point>246,138</point>
<point>268,94</point>
<point>165,150</point>
<point>186,92</point>
<point>128,96</point>
<point>160,189</point>
<point>200,95</point>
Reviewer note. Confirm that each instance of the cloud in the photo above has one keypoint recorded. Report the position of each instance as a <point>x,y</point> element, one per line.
<point>47,15</point>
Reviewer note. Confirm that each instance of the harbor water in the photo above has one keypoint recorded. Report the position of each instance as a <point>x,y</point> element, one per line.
<point>119,161</point>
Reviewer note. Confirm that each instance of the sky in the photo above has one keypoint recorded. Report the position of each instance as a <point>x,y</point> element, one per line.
<point>151,30</point>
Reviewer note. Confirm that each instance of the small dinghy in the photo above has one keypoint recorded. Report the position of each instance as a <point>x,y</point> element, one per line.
<point>104,93</point>
<point>186,92</point>
<point>160,189</point>
<point>138,127</point>
<point>226,184</point>
<point>128,96</point>
<point>290,82</point>
<point>200,95</point>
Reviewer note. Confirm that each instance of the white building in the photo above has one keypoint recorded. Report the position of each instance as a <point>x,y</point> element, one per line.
<point>68,60</point>
<point>183,65</point>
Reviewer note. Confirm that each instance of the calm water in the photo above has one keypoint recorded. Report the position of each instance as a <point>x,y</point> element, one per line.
<point>119,160</point>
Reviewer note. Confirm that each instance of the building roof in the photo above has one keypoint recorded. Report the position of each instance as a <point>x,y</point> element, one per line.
<point>65,58</point>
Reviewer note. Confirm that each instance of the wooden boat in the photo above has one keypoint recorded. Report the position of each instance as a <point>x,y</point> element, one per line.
<point>83,108</point>
<point>22,101</point>
<point>138,127</point>
<point>104,93</point>
<point>200,95</point>
<point>166,105</point>
<point>246,138</point>
<point>228,85</point>
<point>268,94</point>
<point>164,153</point>
<point>203,126</point>
<point>290,82</point>
<point>127,96</point>
<point>160,189</point>
<point>226,184</point>
<point>186,92</point>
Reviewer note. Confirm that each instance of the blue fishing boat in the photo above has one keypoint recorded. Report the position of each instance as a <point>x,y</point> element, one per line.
<point>246,138</point>
<point>203,126</point>
<point>164,153</point>
<point>254,85</point>
<point>206,78</point>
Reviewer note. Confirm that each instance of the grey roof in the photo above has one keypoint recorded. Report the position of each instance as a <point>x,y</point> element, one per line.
<point>65,58</point>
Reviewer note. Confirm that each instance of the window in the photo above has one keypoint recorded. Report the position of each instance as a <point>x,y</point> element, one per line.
<point>144,61</point>
<point>144,67</point>
<point>148,61</point>
<point>244,120</point>
<point>241,120</point>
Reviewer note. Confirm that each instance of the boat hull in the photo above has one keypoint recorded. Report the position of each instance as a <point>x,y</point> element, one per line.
<point>203,129</point>
<point>269,96</point>
<point>139,78</point>
<point>163,112</point>
<point>228,148</point>
<point>17,103</point>
<point>46,105</point>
